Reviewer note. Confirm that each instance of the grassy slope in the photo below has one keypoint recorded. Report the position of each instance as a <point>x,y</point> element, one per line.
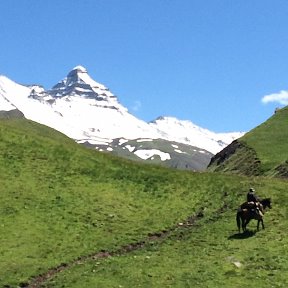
<point>60,201</point>
<point>269,140</point>
<point>263,150</point>
<point>208,255</point>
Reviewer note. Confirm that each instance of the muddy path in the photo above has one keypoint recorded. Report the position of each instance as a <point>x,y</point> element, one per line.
<point>190,222</point>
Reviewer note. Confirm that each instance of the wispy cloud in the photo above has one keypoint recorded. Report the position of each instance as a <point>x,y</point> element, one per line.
<point>281,98</point>
<point>136,105</point>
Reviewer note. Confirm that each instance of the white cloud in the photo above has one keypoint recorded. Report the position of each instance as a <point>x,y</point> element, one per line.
<point>281,97</point>
<point>136,106</point>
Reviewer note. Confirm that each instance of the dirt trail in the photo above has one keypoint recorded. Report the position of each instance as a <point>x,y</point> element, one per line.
<point>37,281</point>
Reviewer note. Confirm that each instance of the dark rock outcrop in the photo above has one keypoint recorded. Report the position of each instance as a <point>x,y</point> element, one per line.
<point>236,158</point>
<point>11,114</point>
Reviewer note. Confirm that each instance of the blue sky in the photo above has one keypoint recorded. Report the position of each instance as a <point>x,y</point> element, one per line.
<point>208,61</point>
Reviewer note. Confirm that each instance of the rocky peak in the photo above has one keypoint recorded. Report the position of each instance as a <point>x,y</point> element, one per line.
<point>77,75</point>
<point>76,83</point>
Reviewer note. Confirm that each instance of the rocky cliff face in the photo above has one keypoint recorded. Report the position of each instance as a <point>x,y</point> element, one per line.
<point>236,158</point>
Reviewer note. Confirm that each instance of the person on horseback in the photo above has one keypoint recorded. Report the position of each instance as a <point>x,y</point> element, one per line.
<point>253,202</point>
<point>252,210</point>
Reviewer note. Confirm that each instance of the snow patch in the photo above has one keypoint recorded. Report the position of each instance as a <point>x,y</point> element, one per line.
<point>144,140</point>
<point>130,148</point>
<point>94,142</point>
<point>146,153</point>
<point>179,151</point>
<point>122,141</point>
<point>5,105</point>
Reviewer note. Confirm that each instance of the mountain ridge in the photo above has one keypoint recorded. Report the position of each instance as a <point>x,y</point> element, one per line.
<point>88,112</point>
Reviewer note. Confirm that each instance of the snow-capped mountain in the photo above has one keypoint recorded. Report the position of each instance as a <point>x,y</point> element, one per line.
<point>186,132</point>
<point>90,113</point>
<point>77,106</point>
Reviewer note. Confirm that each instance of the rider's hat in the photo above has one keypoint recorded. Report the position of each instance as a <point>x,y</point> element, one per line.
<point>252,190</point>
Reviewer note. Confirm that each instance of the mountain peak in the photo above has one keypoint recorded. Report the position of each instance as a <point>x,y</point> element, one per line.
<point>80,69</point>
<point>77,71</point>
<point>78,82</point>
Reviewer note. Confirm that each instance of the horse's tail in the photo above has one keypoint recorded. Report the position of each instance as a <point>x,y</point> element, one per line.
<point>238,220</point>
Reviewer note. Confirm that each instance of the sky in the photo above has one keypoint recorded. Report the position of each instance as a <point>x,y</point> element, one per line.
<point>222,64</point>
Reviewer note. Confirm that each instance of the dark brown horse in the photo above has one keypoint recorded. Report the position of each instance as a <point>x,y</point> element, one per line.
<point>244,215</point>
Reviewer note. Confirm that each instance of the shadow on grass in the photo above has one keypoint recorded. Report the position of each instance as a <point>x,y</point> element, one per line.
<point>244,235</point>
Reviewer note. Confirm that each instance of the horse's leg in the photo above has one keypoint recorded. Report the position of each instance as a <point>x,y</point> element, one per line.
<point>262,223</point>
<point>244,223</point>
<point>238,220</point>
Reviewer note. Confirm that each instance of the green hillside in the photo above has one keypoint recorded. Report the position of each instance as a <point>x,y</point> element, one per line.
<point>66,206</point>
<point>262,151</point>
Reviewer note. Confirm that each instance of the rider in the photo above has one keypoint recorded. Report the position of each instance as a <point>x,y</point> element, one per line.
<point>252,197</point>
<point>254,200</point>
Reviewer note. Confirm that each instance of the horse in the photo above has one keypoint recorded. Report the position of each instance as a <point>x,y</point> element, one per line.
<point>245,214</point>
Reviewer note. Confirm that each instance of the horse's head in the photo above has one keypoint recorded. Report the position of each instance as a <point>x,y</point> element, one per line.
<point>266,203</point>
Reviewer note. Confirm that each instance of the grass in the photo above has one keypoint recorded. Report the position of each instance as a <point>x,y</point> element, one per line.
<point>269,140</point>
<point>211,254</point>
<point>60,201</point>
<point>262,151</point>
